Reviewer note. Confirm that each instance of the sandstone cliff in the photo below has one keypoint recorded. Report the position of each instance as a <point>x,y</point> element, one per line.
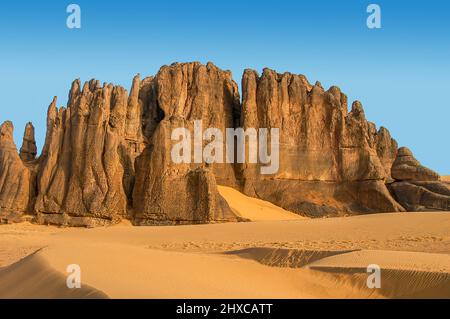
<point>331,161</point>
<point>107,155</point>
<point>185,192</point>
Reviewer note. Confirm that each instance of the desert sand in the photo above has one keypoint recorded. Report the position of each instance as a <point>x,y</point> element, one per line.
<point>253,208</point>
<point>279,255</point>
<point>445,178</point>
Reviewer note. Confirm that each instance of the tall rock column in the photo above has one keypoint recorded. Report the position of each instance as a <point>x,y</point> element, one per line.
<point>14,175</point>
<point>28,150</point>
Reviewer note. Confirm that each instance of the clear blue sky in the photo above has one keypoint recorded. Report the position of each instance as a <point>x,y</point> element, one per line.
<point>401,73</point>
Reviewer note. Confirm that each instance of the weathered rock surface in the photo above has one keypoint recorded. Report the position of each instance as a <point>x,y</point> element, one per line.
<point>28,151</point>
<point>104,155</point>
<point>386,148</point>
<point>192,91</point>
<point>107,155</point>
<point>14,175</point>
<point>417,188</point>
<point>425,196</point>
<point>166,192</point>
<point>331,161</point>
<point>406,168</point>
<point>80,173</point>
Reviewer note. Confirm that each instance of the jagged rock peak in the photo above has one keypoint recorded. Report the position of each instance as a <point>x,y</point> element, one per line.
<point>75,88</point>
<point>279,77</point>
<point>358,110</point>
<point>28,151</point>
<point>193,90</point>
<point>404,151</point>
<point>318,84</point>
<point>6,132</point>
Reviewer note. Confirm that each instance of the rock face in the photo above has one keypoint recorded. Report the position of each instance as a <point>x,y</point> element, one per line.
<point>386,148</point>
<point>167,192</point>
<point>417,188</point>
<point>14,175</point>
<point>331,161</point>
<point>80,178</point>
<point>108,155</point>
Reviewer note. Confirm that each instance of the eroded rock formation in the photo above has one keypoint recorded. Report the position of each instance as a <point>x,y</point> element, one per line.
<point>331,161</point>
<point>407,168</point>
<point>80,174</point>
<point>14,175</point>
<point>185,192</point>
<point>417,188</point>
<point>107,155</point>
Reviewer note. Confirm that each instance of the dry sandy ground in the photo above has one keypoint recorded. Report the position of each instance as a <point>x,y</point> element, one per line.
<point>445,178</point>
<point>279,256</point>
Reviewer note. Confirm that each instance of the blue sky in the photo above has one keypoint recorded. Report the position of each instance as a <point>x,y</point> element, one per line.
<point>401,72</point>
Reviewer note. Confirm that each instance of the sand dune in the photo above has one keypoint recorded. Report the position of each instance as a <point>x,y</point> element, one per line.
<point>158,274</point>
<point>278,257</point>
<point>399,260</point>
<point>124,272</point>
<point>404,274</point>
<point>253,208</point>
<point>34,277</point>
<point>445,178</point>
<point>303,258</point>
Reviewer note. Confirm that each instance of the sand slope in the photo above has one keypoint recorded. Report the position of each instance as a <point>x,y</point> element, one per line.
<point>34,277</point>
<point>404,274</point>
<point>253,208</point>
